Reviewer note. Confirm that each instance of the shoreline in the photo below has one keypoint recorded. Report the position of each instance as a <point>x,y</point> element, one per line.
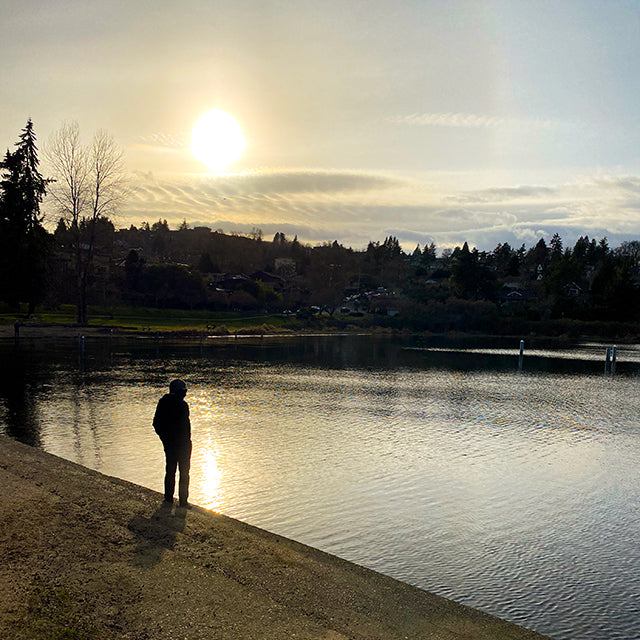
<point>101,557</point>
<point>41,331</point>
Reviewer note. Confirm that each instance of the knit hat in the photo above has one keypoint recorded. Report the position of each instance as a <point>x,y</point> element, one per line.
<point>177,385</point>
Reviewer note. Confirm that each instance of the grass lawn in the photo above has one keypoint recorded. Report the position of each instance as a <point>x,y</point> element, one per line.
<point>147,319</point>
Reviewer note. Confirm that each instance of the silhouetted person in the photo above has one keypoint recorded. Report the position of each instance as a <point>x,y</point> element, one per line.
<point>16,329</point>
<point>172,424</point>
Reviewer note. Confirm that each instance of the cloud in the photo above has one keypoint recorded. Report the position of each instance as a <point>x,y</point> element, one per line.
<point>161,142</point>
<point>357,207</point>
<point>505,194</point>
<point>469,120</point>
<point>623,185</point>
<point>274,185</point>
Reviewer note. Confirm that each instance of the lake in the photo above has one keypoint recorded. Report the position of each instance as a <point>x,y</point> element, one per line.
<point>436,461</point>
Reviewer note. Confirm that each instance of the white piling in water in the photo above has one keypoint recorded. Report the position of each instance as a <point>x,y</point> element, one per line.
<point>521,358</point>
<point>613,358</point>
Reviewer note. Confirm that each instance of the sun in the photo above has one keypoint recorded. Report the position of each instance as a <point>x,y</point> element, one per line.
<point>217,140</point>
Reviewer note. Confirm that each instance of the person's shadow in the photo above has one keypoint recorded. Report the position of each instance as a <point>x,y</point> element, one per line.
<point>156,533</point>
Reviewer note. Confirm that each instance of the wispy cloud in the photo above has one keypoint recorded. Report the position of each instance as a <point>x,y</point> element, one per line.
<point>505,194</point>
<point>470,120</point>
<point>275,183</point>
<point>357,207</point>
<point>161,142</point>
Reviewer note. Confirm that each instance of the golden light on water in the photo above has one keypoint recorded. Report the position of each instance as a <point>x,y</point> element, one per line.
<point>209,477</point>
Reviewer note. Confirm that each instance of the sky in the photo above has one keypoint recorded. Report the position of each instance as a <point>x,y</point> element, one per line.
<point>431,121</point>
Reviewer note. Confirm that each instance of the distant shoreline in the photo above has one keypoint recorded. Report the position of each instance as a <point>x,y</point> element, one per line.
<point>38,330</point>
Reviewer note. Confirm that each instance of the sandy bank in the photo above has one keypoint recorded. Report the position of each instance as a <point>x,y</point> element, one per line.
<point>94,555</point>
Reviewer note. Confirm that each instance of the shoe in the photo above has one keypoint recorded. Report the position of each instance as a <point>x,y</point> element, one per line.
<point>168,500</point>
<point>184,505</point>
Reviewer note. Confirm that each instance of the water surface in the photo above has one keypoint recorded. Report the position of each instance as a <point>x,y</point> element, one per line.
<point>440,464</point>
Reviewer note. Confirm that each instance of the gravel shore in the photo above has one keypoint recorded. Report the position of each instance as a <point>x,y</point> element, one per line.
<point>87,556</point>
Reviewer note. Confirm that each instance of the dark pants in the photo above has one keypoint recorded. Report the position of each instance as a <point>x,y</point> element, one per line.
<point>178,457</point>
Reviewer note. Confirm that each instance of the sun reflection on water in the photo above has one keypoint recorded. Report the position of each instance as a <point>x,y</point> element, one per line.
<point>208,474</point>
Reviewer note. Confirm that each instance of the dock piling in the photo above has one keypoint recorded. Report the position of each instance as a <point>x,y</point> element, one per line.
<point>521,358</point>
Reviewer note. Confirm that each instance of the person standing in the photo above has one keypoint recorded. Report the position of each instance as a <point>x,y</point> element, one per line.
<point>171,422</point>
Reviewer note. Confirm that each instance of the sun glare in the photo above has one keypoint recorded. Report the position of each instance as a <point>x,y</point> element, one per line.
<point>208,473</point>
<point>217,140</point>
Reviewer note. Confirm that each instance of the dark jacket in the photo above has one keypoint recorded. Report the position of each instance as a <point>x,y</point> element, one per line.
<point>171,420</point>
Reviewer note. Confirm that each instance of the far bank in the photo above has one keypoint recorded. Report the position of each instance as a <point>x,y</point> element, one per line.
<point>454,318</point>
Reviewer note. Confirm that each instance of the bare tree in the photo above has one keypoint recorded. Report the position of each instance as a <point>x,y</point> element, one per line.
<point>631,250</point>
<point>90,185</point>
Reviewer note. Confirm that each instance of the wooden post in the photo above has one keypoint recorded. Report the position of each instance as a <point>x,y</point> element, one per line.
<point>81,352</point>
<point>521,358</point>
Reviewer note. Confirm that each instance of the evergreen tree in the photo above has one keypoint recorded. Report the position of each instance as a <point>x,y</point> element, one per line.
<point>556,247</point>
<point>23,241</point>
<point>429,256</point>
<point>161,226</point>
<point>469,276</point>
<point>279,238</point>
<point>505,260</point>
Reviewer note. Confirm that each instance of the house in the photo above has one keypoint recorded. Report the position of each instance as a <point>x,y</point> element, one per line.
<point>231,282</point>
<point>515,296</point>
<point>385,303</point>
<point>573,290</point>
<point>270,279</point>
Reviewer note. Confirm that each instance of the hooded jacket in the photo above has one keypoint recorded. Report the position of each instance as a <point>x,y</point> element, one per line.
<point>171,420</point>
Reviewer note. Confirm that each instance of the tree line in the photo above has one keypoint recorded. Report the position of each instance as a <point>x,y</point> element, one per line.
<point>86,260</point>
<point>87,184</point>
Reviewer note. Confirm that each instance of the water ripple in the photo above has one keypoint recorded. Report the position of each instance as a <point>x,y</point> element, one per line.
<point>511,491</point>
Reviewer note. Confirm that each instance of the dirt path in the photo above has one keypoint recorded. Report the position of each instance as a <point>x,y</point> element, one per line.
<point>84,553</point>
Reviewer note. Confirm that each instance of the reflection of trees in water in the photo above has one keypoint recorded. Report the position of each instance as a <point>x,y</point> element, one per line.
<point>76,419</point>
<point>73,377</point>
<point>94,425</point>
<point>28,369</point>
<point>33,369</point>
<point>84,414</point>
<point>18,380</point>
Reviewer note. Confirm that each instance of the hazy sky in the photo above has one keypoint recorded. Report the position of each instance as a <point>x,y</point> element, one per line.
<point>429,120</point>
